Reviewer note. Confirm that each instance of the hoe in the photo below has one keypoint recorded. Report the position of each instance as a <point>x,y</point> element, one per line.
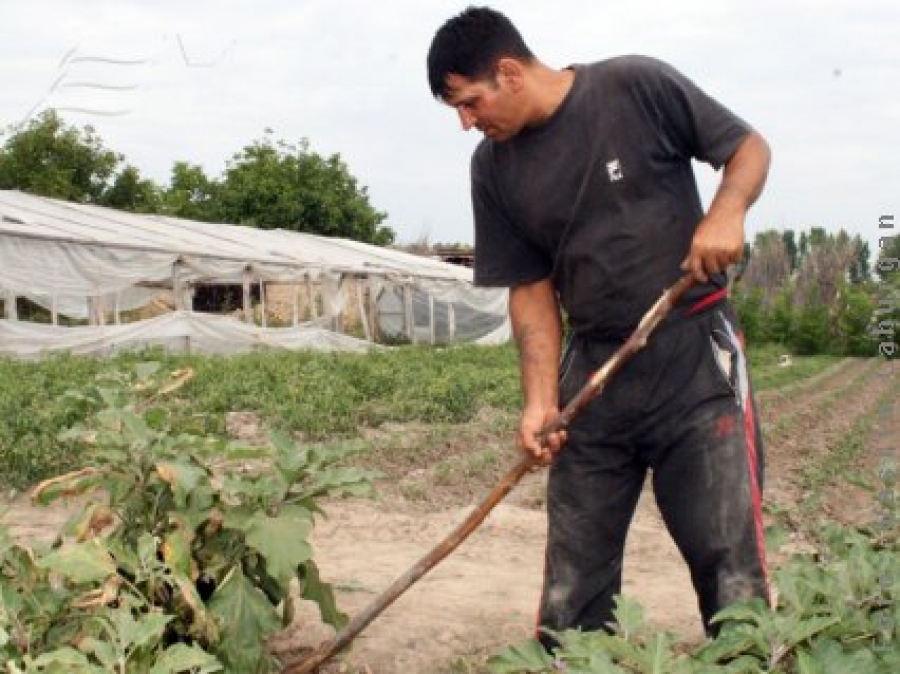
<point>594,386</point>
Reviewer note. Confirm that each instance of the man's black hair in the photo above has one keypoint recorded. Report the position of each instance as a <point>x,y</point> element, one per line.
<point>470,44</point>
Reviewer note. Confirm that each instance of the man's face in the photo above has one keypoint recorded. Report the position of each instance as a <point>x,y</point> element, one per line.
<point>490,105</point>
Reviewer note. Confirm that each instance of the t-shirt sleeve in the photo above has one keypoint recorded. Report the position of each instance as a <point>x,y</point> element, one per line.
<point>504,257</point>
<point>693,123</point>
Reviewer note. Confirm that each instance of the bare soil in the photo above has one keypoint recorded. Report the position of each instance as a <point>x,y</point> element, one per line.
<point>485,595</point>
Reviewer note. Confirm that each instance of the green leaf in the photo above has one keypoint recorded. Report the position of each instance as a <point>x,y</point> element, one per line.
<point>807,665</point>
<point>183,658</point>
<point>65,660</point>
<point>629,616</point>
<point>733,639</point>
<point>528,657</point>
<point>176,551</point>
<point>102,650</point>
<point>830,658</point>
<point>315,589</point>
<point>803,630</point>
<point>134,632</point>
<point>659,654</point>
<point>83,563</point>
<point>246,618</point>
<point>282,540</point>
<point>755,611</point>
<point>183,477</point>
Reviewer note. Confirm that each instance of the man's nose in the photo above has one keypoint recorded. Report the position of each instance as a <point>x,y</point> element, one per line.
<point>466,118</point>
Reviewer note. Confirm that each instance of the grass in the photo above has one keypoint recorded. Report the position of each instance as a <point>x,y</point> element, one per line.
<point>309,394</point>
<point>767,374</point>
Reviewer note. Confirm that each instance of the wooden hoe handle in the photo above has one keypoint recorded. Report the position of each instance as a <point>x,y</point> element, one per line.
<point>591,389</point>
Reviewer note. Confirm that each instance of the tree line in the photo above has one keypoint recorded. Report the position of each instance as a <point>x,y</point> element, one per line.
<point>817,292</point>
<point>267,184</point>
<point>811,290</point>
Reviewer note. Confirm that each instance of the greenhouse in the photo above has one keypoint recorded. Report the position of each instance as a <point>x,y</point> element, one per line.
<point>91,280</point>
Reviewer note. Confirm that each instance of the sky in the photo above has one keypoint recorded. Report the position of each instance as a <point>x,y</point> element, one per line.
<point>164,81</point>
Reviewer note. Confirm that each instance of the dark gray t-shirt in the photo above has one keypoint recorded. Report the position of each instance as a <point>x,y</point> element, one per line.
<point>602,197</point>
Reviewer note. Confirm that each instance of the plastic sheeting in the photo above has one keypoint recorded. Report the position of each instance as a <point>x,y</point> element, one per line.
<point>80,261</point>
<point>178,332</point>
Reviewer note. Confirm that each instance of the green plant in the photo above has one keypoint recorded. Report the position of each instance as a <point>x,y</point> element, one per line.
<point>838,611</point>
<point>185,555</point>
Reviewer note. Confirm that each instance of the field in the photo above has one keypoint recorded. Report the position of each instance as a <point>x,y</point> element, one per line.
<point>438,426</point>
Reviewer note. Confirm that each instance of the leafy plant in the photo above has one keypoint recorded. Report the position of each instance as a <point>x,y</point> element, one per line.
<point>188,554</point>
<point>838,611</point>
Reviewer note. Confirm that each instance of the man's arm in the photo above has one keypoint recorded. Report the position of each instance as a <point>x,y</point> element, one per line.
<point>719,238</point>
<point>537,328</point>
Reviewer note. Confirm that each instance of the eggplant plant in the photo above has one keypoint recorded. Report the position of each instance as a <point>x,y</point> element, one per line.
<point>189,551</point>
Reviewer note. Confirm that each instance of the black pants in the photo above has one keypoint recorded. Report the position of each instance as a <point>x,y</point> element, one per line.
<point>681,408</point>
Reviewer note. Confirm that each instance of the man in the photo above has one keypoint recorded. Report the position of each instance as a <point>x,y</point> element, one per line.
<point>585,202</point>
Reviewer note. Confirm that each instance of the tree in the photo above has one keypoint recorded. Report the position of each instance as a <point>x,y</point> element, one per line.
<point>768,268</point>
<point>790,247</point>
<point>853,321</point>
<point>888,263</point>
<point>860,271</point>
<point>280,185</point>
<point>49,158</point>
<point>130,192</point>
<point>192,195</point>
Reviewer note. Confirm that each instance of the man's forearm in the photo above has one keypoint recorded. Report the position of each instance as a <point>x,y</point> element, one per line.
<point>719,239</point>
<point>744,176</point>
<point>537,329</point>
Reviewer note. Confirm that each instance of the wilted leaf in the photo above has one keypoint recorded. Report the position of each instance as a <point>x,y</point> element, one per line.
<point>202,626</point>
<point>177,379</point>
<point>70,484</point>
<point>91,521</point>
<point>103,596</point>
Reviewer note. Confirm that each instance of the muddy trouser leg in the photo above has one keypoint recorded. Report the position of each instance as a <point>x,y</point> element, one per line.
<point>593,488</point>
<point>708,480</point>
<point>682,406</point>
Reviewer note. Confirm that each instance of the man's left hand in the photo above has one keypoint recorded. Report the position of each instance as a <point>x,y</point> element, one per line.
<point>717,243</point>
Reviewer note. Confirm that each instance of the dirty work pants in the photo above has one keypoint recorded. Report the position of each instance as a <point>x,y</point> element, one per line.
<point>681,409</point>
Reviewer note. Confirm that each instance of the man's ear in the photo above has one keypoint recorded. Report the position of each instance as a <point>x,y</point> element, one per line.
<point>511,72</point>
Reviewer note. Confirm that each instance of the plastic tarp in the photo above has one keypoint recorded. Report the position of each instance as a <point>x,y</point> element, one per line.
<point>66,257</point>
<point>178,332</point>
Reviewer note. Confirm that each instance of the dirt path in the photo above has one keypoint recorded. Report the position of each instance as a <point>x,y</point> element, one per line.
<point>485,595</point>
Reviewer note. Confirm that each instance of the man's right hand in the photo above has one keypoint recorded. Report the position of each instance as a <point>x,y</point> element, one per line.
<point>540,449</point>
<point>537,328</point>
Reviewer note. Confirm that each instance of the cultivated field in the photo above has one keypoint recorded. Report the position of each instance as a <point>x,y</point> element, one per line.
<point>443,441</point>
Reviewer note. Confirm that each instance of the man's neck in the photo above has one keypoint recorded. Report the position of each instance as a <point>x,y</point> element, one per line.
<point>550,89</point>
